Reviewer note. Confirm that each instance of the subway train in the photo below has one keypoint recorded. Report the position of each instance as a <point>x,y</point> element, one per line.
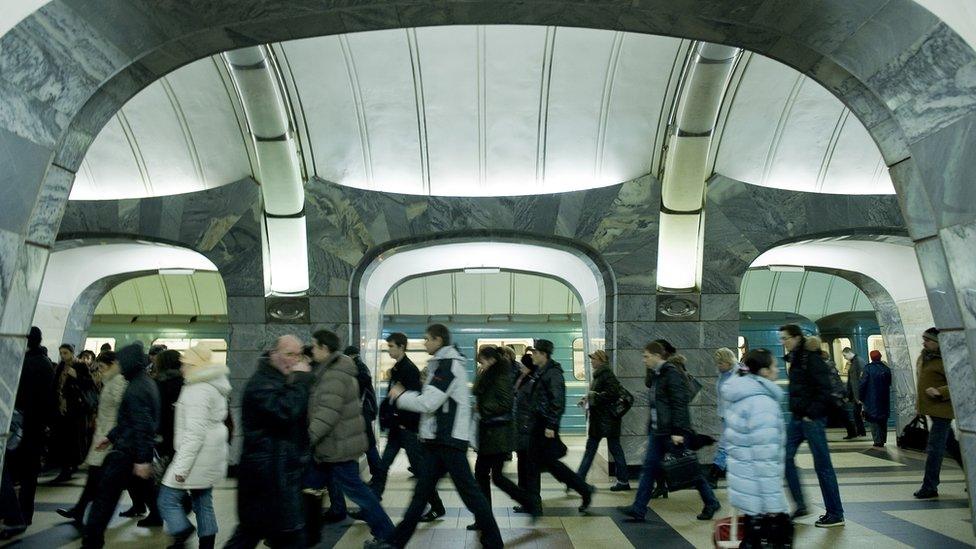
<point>858,330</point>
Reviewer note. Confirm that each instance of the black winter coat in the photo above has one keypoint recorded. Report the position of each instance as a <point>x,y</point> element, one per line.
<point>274,418</point>
<point>406,373</point>
<point>170,383</point>
<point>524,413</point>
<point>671,397</point>
<point>495,400</point>
<point>810,384</point>
<point>35,395</point>
<point>138,419</point>
<point>604,392</point>
<point>549,396</point>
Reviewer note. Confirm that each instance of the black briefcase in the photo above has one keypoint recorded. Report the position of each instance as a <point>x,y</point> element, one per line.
<point>915,436</point>
<point>681,469</point>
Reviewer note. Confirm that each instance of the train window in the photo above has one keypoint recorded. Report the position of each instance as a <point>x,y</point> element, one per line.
<point>520,345</point>
<point>579,360</point>
<point>743,347</point>
<point>837,348</point>
<point>415,352</point>
<point>94,344</point>
<point>876,343</point>
<point>217,346</point>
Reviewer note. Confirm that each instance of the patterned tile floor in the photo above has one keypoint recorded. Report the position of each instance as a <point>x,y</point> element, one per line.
<point>876,487</point>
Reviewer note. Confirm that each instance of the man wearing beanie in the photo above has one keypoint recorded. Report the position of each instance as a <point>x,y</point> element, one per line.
<point>933,401</point>
<point>132,442</point>
<point>874,391</point>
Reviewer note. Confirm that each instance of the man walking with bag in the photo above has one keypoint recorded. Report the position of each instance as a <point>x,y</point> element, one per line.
<point>934,401</point>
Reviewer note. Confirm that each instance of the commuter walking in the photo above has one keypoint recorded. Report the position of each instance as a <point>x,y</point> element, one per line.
<point>200,449</point>
<point>854,372</point>
<point>810,403</point>
<point>36,402</point>
<point>669,427</point>
<point>445,408</point>
<point>524,420</point>
<point>76,400</point>
<point>367,395</point>
<point>494,394</point>
<point>545,447</point>
<point>337,430</point>
<point>109,400</point>
<point>402,425</point>
<point>874,390</point>
<point>274,455</point>
<point>605,391</point>
<point>131,440</point>
<point>727,364</point>
<point>754,437</point>
<point>935,402</point>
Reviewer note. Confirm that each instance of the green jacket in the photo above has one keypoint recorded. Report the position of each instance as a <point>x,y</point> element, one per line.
<point>495,399</point>
<point>336,428</point>
<point>931,373</point>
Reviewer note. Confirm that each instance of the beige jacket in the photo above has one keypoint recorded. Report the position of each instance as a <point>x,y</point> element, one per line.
<point>109,400</point>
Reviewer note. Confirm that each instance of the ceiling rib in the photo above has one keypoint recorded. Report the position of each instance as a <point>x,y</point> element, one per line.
<point>418,90</point>
<point>357,94</point>
<point>540,165</point>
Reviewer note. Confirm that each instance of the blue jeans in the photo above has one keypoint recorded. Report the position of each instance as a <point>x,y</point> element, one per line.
<point>657,446</point>
<point>616,450</point>
<point>721,455</point>
<point>344,478</point>
<point>171,509</point>
<point>814,432</point>
<point>941,439</point>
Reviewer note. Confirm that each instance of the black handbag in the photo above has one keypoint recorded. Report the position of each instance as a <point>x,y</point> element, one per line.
<point>623,404</point>
<point>915,436</point>
<point>681,469</point>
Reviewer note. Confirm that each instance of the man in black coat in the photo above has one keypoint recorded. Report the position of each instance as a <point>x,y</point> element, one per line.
<point>810,403</point>
<point>545,448</point>
<point>402,424</point>
<point>132,442</point>
<point>36,402</point>
<point>275,453</point>
<point>367,395</point>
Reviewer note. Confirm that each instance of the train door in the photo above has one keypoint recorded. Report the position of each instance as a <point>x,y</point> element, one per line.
<point>218,347</point>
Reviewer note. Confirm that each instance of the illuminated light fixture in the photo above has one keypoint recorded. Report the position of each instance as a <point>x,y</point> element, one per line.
<point>482,270</point>
<point>786,268</point>
<point>176,271</point>
<point>678,252</point>
<point>287,255</point>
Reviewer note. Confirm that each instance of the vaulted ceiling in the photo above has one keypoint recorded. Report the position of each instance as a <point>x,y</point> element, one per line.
<point>480,110</point>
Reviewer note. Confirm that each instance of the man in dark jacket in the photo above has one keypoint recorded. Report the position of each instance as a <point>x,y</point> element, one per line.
<point>402,424</point>
<point>275,453</point>
<point>669,427</point>
<point>132,442</point>
<point>874,391</point>
<point>35,400</point>
<point>545,447</point>
<point>854,372</point>
<point>367,396</point>
<point>810,402</point>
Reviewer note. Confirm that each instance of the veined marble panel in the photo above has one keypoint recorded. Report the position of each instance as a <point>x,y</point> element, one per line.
<point>245,309</point>
<point>939,283</point>
<point>958,243</point>
<point>946,168</point>
<point>961,373</point>
<point>24,289</point>
<point>24,164</point>
<point>51,202</point>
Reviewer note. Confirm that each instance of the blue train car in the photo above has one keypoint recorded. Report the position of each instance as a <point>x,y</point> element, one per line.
<point>761,331</point>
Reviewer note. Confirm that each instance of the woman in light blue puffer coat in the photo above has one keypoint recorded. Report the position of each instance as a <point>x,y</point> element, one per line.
<point>755,437</point>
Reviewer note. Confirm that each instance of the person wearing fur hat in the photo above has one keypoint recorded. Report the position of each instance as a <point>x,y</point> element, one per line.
<point>131,439</point>
<point>934,401</point>
<point>605,391</point>
<point>874,391</point>
<point>200,445</point>
<point>810,400</point>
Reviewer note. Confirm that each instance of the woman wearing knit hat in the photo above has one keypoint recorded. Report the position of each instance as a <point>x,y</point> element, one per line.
<point>934,401</point>
<point>875,392</point>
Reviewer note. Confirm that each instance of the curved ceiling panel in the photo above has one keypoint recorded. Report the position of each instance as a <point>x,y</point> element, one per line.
<point>811,294</point>
<point>784,130</point>
<point>482,294</point>
<point>178,135</point>
<point>201,293</point>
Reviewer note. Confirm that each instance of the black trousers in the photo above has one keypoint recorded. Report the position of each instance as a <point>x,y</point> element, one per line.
<point>437,461</point>
<point>858,412</point>
<point>9,505</point>
<point>399,438</point>
<point>116,474</point>
<point>524,469</point>
<point>245,538</point>
<point>540,461</point>
<point>488,469</point>
<point>26,465</point>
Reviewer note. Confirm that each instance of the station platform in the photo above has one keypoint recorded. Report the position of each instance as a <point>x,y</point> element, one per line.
<point>876,487</point>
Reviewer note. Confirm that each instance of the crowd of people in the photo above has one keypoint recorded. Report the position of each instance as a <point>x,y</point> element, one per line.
<point>157,424</point>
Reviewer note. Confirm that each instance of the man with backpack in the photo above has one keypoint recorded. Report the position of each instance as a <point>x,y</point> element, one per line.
<point>811,399</point>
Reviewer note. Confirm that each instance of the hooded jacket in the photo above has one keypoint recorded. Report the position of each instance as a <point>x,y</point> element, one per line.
<point>199,433</point>
<point>755,439</point>
<point>875,391</point>
<point>336,428</point>
<point>444,401</point>
<point>135,429</point>
<point>109,400</point>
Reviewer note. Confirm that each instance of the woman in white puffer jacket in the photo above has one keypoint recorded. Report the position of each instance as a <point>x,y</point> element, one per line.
<point>200,441</point>
<point>755,437</point>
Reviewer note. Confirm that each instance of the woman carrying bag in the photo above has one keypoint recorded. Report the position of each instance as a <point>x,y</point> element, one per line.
<point>755,438</point>
<point>494,393</point>
<point>200,442</point>
<point>604,393</point>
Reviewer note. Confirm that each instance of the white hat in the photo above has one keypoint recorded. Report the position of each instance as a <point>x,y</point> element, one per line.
<point>198,355</point>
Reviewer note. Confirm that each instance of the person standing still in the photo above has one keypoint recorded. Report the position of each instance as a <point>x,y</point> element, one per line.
<point>874,391</point>
<point>854,373</point>
<point>934,401</point>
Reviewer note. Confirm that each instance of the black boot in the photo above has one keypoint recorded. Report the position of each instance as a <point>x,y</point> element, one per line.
<point>313,518</point>
<point>660,491</point>
<point>752,532</point>
<point>179,539</point>
<point>207,542</point>
<point>780,531</point>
